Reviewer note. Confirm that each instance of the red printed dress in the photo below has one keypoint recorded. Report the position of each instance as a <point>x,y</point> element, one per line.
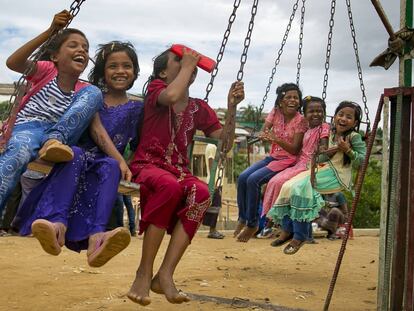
<point>169,192</point>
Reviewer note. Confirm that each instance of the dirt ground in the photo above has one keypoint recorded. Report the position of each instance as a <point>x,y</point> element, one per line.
<point>235,275</point>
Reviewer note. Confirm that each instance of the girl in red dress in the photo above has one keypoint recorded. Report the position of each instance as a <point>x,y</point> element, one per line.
<point>172,199</point>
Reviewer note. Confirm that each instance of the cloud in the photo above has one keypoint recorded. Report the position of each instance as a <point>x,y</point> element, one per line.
<point>152,25</point>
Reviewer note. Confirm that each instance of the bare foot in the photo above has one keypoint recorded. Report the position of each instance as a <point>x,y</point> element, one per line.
<point>139,292</point>
<point>246,234</point>
<point>240,226</point>
<point>156,286</point>
<point>164,283</point>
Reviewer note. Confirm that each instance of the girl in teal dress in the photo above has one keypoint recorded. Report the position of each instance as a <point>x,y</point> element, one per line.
<point>298,203</point>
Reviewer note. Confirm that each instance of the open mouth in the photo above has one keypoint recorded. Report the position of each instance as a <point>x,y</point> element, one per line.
<point>119,79</point>
<point>79,59</point>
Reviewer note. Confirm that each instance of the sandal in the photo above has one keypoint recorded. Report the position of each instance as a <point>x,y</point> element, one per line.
<point>44,231</point>
<point>280,242</point>
<point>107,246</point>
<point>215,235</point>
<point>291,249</point>
<point>54,151</point>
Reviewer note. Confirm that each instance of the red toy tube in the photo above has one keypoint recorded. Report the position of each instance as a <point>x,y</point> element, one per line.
<point>205,63</point>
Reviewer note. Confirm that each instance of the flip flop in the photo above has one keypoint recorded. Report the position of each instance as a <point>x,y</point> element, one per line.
<point>44,231</point>
<point>56,152</point>
<point>290,249</point>
<point>280,242</point>
<point>112,243</point>
<point>215,235</point>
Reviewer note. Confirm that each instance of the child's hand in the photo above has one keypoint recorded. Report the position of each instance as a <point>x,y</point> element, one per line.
<point>60,20</point>
<point>236,93</point>
<point>267,135</point>
<point>330,152</point>
<point>125,171</point>
<point>190,58</point>
<point>343,144</point>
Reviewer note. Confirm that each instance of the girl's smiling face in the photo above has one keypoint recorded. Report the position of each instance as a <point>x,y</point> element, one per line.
<point>314,114</point>
<point>73,55</point>
<point>119,71</point>
<point>290,103</point>
<point>345,120</point>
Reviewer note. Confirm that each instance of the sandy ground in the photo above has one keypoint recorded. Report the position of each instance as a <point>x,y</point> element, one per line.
<point>243,273</point>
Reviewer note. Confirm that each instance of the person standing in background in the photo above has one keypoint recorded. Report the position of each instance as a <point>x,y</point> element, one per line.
<point>211,215</point>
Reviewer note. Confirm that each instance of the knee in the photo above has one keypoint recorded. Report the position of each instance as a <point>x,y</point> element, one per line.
<point>242,179</point>
<point>94,95</point>
<point>172,188</point>
<point>252,181</point>
<point>202,192</point>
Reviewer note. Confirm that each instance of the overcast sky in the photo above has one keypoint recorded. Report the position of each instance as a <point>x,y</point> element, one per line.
<point>153,25</point>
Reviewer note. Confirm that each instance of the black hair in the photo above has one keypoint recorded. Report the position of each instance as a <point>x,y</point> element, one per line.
<point>160,64</point>
<point>57,41</point>
<point>286,87</point>
<point>309,99</point>
<point>358,117</point>
<point>97,74</point>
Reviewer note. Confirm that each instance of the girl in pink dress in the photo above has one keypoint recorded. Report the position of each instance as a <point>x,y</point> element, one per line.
<point>172,199</point>
<point>314,109</point>
<point>284,127</point>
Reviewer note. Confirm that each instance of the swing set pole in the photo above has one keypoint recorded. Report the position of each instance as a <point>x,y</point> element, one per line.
<point>395,288</point>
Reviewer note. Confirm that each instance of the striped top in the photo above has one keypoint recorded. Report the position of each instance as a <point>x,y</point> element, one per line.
<point>47,105</point>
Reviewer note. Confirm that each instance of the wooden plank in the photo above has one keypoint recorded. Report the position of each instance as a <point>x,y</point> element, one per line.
<point>125,187</point>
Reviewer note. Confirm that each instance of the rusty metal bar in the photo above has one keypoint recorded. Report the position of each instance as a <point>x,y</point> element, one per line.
<point>384,18</point>
<point>400,245</point>
<point>384,256</point>
<point>355,201</point>
<point>409,301</point>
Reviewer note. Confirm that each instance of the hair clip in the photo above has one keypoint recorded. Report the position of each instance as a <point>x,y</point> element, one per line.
<point>112,46</point>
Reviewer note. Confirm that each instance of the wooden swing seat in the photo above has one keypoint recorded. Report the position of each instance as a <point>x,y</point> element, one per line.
<point>125,187</point>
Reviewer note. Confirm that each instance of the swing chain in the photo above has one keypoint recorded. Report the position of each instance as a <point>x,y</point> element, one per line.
<point>220,54</point>
<point>220,173</point>
<point>247,40</point>
<point>302,23</point>
<point>361,81</point>
<point>20,87</point>
<point>277,61</point>
<point>328,49</point>
<point>314,162</point>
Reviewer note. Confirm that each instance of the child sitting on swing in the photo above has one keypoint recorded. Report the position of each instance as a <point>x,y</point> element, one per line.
<point>73,204</point>
<point>56,109</point>
<point>298,202</point>
<point>172,199</point>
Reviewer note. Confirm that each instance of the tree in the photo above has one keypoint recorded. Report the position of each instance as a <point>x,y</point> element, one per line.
<point>3,107</point>
<point>250,113</point>
<point>368,211</point>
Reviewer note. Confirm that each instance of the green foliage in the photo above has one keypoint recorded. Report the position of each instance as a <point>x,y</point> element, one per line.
<point>3,107</point>
<point>249,113</point>
<point>240,164</point>
<point>368,210</point>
